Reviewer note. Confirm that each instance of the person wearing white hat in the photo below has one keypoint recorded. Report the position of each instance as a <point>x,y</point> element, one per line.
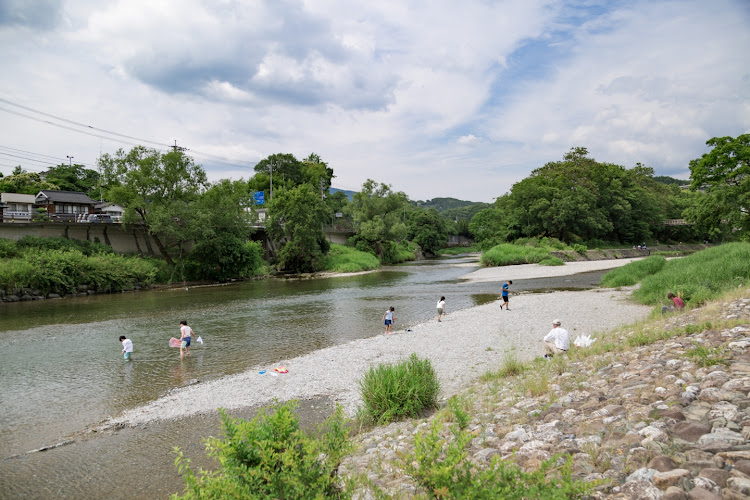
<point>557,341</point>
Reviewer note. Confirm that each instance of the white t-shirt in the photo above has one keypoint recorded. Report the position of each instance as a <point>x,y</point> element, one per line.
<point>186,331</point>
<point>389,315</point>
<point>127,344</point>
<point>560,337</point>
<point>441,304</point>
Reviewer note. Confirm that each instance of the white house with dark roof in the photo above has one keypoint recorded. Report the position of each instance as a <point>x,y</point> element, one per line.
<point>112,209</point>
<point>16,207</point>
<point>65,204</point>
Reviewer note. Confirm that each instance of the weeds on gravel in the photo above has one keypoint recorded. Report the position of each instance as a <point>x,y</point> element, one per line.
<point>442,468</point>
<point>510,367</point>
<point>707,356</point>
<point>394,391</point>
<point>271,457</point>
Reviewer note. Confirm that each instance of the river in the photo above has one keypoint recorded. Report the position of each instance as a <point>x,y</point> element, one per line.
<point>62,370</point>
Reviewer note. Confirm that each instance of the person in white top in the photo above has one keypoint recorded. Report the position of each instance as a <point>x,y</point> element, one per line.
<point>441,307</point>
<point>127,347</point>
<point>186,333</point>
<point>557,341</point>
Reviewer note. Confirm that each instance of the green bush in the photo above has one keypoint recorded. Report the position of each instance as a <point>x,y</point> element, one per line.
<point>458,250</point>
<point>442,468</point>
<point>29,243</point>
<point>507,254</point>
<point>551,261</point>
<point>271,457</point>
<point>579,248</point>
<point>343,259</point>
<point>394,391</point>
<point>8,249</point>
<point>634,272</point>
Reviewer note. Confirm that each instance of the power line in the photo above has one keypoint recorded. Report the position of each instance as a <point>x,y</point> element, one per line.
<point>29,152</point>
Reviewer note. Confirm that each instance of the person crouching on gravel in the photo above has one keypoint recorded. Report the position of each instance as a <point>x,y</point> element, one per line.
<point>557,341</point>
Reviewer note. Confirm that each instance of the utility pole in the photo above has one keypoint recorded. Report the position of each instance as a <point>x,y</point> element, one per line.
<point>176,147</point>
<point>70,160</point>
<point>271,164</point>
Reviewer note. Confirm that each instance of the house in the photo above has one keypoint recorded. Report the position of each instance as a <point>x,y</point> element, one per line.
<point>65,205</point>
<point>16,207</point>
<point>112,209</point>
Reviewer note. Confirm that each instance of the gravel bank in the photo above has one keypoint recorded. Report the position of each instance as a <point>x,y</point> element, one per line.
<point>462,347</point>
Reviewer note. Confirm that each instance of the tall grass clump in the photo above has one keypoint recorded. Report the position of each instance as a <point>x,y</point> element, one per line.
<point>343,259</point>
<point>394,391</point>
<point>507,254</point>
<point>37,243</point>
<point>634,272</point>
<point>271,457</point>
<point>8,249</point>
<point>458,250</point>
<point>551,261</point>
<point>699,277</point>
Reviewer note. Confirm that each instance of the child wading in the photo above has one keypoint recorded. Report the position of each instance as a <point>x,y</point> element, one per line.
<point>127,347</point>
<point>185,334</point>
<point>388,319</point>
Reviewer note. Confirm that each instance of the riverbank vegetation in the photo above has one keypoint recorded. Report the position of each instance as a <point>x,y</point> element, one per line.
<point>697,278</point>
<point>524,251</point>
<point>40,266</point>
<point>343,259</point>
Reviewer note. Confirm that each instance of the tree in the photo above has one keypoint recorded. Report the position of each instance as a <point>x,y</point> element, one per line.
<point>296,218</point>
<point>428,230</point>
<point>724,173</point>
<point>73,178</point>
<point>156,190</point>
<point>24,183</point>
<point>380,219</point>
<point>220,227</point>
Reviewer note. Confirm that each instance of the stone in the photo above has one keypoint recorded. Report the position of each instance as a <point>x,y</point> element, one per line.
<point>716,378</point>
<point>11,298</point>
<point>690,431</point>
<point>718,476</point>
<point>743,466</point>
<point>664,480</point>
<point>674,493</point>
<point>714,395</point>
<point>699,493</point>
<point>486,454</point>
<point>53,296</point>
<point>642,474</point>
<point>740,484</point>
<point>723,409</point>
<point>721,436</point>
<point>737,384</point>
<point>519,434</point>
<point>707,484</point>
<point>672,413</point>
<point>639,490</point>
<point>662,463</point>
<point>728,494</point>
<point>651,433</point>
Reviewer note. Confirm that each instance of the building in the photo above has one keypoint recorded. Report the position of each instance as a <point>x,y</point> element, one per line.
<point>65,205</point>
<point>112,209</point>
<point>16,207</point>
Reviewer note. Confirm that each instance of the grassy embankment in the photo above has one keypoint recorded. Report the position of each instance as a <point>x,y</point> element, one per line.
<point>60,265</point>
<point>524,251</point>
<point>343,259</point>
<point>459,250</point>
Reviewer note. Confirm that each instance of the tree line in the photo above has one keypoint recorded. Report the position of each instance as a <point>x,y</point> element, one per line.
<point>204,230</point>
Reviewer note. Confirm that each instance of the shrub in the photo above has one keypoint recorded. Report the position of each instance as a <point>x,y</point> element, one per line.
<point>394,391</point>
<point>442,468</point>
<point>343,259</point>
<point>579,248</point>
<point>506,254</point>
<point>85,247</point>
<point>552,261</point>
<point>271,457</point>
<point>8,249</point>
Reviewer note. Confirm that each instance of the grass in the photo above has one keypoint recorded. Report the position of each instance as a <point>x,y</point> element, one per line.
<point>634,272</point>
<point>524,251</point>
<point>458,250</point>
<point>392,392</point>
<point>707,356</point>
<point>552,261</point>
<point>343,259</point>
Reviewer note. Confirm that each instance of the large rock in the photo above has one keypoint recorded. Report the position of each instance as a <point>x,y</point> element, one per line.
<point>714,395</point>
<point>674,493</point>
<point>739,484</point>
<point>642,474</point>
<point>718,476</point>
<point>699,493</point>
<point>690,431</point>
<point>662,463</point>
<point>664,480</point>
<point>638,490</point>
<point>743,466</point>
<point>721,435</point>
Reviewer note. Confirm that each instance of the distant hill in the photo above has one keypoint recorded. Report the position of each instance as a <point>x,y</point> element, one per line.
<point>665,179</point>
<point>348,194</point>
<point>452,208</point>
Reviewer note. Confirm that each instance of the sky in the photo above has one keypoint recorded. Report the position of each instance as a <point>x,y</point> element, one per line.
<point>435,98</point>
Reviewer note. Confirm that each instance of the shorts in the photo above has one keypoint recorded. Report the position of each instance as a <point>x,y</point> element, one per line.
<point>185,342</point>
<point>505,298</point>
<point>388,322</point>
<point>440,310</point>
<point>127,355</point>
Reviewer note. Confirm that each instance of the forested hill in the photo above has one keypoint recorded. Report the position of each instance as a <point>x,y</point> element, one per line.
<point>665,179</point>
<point>452,208</point>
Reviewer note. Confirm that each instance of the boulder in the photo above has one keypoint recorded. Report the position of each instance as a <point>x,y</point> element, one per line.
<point>690,431</point>
<point>662,463</point>
<point>718,476</point>
<point>664,480</point>
<point>638,490</point>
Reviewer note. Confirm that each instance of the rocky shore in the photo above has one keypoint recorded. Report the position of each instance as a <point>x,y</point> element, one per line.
<point>668,419</point>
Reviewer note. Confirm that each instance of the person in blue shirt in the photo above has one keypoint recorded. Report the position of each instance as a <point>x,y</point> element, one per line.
<point>506,287</point>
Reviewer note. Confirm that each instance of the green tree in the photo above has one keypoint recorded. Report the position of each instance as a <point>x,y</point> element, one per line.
<point>380,218</point>
<point>220,227</point>
<point>428,230</point>
<point>724,174</point>
<point>296,219</point>
<point>156,190</point>
<point>73,178</point>
<point>24,183</point>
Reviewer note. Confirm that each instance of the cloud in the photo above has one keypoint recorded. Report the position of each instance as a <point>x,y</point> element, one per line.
<point>30,13</point>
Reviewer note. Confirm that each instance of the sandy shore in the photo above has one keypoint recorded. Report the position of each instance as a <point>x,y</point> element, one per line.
<point>461,347</point>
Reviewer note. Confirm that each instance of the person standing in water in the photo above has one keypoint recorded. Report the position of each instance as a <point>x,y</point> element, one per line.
<point>506,288</point>
<point>389,319</point>
<point>185,335</point>
<point>127,347</point>
<point>441,307</point>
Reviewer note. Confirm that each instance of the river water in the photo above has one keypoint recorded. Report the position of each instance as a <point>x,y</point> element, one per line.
<point>62,371</point>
